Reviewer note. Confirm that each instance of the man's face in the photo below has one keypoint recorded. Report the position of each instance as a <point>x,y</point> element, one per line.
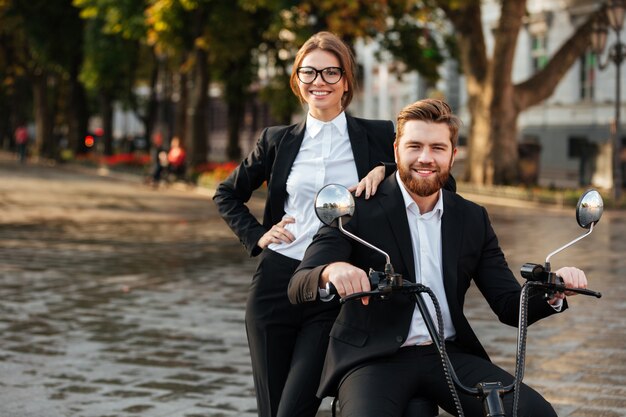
<point>424,155</point>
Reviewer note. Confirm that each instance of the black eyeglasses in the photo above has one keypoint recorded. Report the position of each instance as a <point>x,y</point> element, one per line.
<point>330,75</point>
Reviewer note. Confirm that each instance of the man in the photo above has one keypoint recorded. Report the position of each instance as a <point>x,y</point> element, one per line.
<point>380,354</point>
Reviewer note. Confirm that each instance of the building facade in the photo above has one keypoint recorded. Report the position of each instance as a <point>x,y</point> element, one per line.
<point>571,130</point>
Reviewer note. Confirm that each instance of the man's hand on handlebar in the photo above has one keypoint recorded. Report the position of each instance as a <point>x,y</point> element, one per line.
<point>347,279</point>
<point>572,278</point>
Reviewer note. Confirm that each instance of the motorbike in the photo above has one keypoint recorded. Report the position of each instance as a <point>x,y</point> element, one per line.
<point>334,206</point>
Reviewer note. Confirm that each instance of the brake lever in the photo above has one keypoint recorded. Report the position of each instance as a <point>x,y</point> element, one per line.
<point>582,291</point>
<point>540,277</point>
<point>356,295</point>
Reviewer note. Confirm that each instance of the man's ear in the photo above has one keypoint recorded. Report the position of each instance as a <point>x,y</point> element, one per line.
<point>395,151</point>
<point>453,157</point>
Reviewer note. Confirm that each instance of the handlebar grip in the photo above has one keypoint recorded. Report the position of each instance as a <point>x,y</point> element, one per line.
<point>581,291</point>
<point>584,291</point>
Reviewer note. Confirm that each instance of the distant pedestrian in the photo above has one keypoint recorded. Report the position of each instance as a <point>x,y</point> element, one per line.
<point>176,159</point>
<point>21,140</point>
<point>159,158</point>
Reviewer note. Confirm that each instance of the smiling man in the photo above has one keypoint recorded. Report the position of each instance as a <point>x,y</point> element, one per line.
<point>380,354</point>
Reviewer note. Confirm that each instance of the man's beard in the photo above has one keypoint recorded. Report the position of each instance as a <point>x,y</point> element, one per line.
<point>421,186</point>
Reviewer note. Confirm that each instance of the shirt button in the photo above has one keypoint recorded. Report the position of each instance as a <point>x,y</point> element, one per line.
<point>399,339</point>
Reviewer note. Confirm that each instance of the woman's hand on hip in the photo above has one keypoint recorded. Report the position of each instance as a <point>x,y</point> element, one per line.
<point>278,233</point>
<point>370,183</point>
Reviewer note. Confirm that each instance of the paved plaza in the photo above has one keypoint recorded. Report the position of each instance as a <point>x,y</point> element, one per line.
<point>120,300</point>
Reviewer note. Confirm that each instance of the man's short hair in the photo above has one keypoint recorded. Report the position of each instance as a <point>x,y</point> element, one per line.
<point>430,110</point>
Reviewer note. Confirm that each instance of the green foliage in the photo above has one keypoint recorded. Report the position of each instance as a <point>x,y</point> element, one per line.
<point>120,40</point>
<point>50,32</point>
<point>108,61</point>
<point>172,25</point>
<point>120,17</point>
<point>283,103</point>
<point>417,47</point>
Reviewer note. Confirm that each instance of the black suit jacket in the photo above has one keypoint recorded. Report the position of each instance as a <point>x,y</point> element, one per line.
<point>271,162</point>
<point>470,252</point>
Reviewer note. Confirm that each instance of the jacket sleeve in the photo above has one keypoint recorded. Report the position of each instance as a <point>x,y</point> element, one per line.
<point>499,286</point>
<point>235,191</point>
<point>329,245</point>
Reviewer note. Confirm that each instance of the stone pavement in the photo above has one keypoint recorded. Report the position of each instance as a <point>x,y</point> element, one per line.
<point>119,300</point>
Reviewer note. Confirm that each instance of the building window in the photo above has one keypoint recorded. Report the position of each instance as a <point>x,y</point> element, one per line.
<point>587,75</point>
<point>539,51</point>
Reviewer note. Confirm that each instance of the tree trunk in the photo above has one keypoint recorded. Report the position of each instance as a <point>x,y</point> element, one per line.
<point>78,114</point>
<point>150,115</point>
<point>503,128</point>
<point>236,108</point>
<point>503,137</point>
<point>181,90</point>
<point>479,168</point>
<point>43,127</point>
<point>495,103</point>
<point>106,112</point>
<point>477,72</point>
<point>197,140</point>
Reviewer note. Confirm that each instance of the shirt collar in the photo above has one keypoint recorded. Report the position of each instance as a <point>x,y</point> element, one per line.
<point>411,205</point>
<point>314,126</point>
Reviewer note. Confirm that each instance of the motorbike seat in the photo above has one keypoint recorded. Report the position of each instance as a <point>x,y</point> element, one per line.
<point>418,406</point>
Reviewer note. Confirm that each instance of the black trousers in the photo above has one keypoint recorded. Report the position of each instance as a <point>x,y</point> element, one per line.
<point>383,387</point>
<point>287,343</point>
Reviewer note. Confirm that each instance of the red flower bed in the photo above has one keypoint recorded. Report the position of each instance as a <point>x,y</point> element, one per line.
<point>214,171</point>
<point>126,159</point>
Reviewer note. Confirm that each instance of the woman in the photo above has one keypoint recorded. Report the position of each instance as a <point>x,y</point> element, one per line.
<point>288,343</point>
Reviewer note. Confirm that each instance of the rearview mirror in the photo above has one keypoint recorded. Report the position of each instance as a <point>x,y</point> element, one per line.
<point>332,202</point>
<point>589,209</point>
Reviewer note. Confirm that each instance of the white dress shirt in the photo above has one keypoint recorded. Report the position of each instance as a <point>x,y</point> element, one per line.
<point>325,157</point>
<point>425,231</point>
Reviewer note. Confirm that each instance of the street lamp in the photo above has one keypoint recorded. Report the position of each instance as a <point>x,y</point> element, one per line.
<point>617,52</point>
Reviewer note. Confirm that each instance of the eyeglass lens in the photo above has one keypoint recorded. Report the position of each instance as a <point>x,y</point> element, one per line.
<point>330,75</point>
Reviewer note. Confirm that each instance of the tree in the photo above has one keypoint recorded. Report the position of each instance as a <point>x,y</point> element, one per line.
<point>107,72</point>
<point>42,40</point>
<point>178,31</point>
<point>403,28</point>
<point>113,34</point>
<point>494,101</point>
<point>232,57</point>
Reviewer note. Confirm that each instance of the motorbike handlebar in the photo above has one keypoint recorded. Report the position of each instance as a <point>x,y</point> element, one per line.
<point>539,277</point>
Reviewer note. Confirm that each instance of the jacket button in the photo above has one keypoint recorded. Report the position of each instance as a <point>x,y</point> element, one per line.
<point>309,295</point>
<point>399,339</point>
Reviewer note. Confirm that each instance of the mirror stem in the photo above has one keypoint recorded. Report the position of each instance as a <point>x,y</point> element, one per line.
<point>547,265</point>
<point>388,267</point>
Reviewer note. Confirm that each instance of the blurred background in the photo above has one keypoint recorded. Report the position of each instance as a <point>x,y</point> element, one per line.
<point>92,79</point>
<point>118,300</point>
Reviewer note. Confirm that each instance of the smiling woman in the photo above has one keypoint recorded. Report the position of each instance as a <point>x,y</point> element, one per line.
<point>288,343</point>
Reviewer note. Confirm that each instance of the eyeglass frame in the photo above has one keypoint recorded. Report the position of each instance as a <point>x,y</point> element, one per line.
<point>321,74</point>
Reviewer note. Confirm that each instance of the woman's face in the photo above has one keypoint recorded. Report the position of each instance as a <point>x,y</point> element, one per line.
<point>324,99</point>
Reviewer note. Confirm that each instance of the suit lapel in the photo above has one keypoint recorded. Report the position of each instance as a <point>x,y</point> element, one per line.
<point>288,149</point>
<point>358,142</point>
<point>395,211</point>
<point>451,238</point>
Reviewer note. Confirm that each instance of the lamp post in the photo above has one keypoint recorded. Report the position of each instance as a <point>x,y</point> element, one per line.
<point>617,52</point>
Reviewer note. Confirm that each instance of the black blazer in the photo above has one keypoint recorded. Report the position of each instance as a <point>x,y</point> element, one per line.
<point>470,251</point>
<point>271,162</point>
